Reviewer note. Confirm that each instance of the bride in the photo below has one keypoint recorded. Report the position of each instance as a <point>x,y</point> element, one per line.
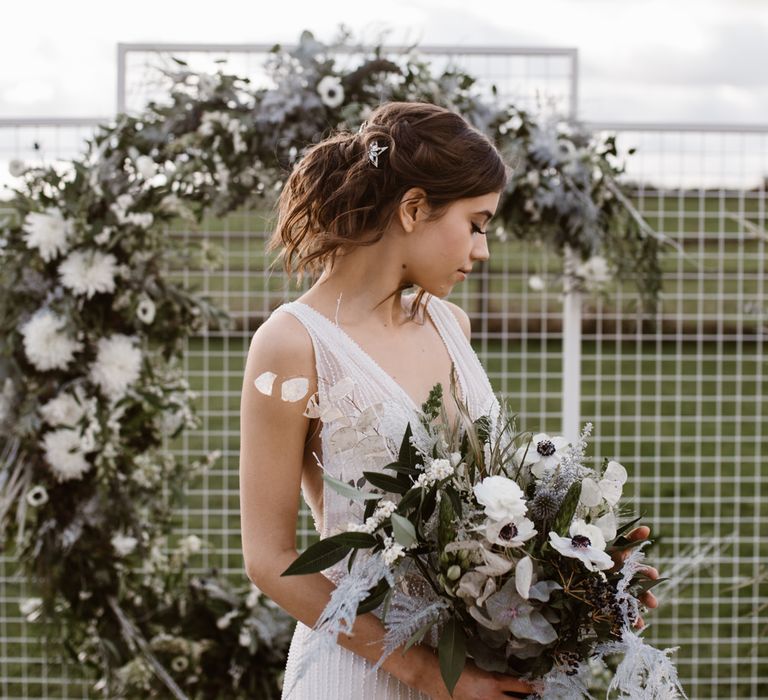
<point>402,203</point>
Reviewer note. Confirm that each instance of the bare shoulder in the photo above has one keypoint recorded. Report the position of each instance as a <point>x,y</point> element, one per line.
<point>283,346</point>
<point>461,317</point>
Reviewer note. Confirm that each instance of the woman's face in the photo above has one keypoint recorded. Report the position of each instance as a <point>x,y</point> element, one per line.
<point>437,250</point>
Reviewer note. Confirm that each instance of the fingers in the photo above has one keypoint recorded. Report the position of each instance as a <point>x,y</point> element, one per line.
<point>515,685</point>
<point>649,600</point>
<point>639,533</point>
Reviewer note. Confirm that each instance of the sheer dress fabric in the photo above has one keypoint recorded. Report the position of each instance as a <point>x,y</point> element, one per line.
<point>342,674</point>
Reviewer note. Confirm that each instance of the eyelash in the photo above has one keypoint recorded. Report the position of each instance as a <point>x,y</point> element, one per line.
<point>476,228</point>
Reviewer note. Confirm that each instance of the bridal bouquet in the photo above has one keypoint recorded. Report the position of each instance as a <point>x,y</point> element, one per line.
<point>508,535</point>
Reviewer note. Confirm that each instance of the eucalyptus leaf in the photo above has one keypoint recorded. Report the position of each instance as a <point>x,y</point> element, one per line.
<point>348,491</point>
<point>452,650</point>
<point>403,530</point>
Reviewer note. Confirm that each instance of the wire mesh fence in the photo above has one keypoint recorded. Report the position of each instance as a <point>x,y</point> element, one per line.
<point>677,398</point>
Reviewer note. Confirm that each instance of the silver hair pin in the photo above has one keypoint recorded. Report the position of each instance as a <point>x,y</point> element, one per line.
<point>373,152</point>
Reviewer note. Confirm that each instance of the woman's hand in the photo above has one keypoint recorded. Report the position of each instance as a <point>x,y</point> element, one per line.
<point>476,684</point>
<point>619,555</point>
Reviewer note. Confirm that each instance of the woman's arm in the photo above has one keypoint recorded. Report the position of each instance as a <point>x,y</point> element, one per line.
<point>272,438</point>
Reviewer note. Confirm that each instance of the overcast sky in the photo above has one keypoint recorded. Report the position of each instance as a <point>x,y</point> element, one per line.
<point>640,60</point>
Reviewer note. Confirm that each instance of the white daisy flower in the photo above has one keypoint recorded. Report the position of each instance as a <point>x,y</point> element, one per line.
<point>37,496</point>
<point>503,498</point>
<point>145,311</point>
<point>586,543</point>
<point>123,544</point>
<point>64,455</point>
<point>542,453</point>
<point>49,232</point>
<point>331,91</point>
<point>45,345</point>
<point>88,272</point>
<point>117,365</point>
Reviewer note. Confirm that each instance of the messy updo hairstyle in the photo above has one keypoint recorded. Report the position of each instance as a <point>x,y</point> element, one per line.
<point>335,198</point>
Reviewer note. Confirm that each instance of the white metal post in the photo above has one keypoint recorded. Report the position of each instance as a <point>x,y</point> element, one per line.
<point>571,349</point>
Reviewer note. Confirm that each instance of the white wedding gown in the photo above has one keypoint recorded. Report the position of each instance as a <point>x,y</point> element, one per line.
<point>342,674</point>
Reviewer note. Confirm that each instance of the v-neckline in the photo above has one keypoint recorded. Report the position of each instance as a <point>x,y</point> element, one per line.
<point>379,368</point>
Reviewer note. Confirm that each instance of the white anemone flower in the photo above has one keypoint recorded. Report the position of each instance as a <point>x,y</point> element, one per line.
<point>46,344</point>
<point>543,453</point>
<point>608,489</point>
<point>49,232</point>
<point>89,272</point>
<point>64,454</point>
<point>117,365</point>
<point>146,310</point>
<point>37,496</point>
<point>508,533</point>
<point>503,498</point>
<point>586,543</point>
<point>331,91</point>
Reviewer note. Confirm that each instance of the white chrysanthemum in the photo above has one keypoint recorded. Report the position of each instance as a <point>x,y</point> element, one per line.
<point>63,409</point>
<point>45,345</point>
<point>63,452</point>
<point>146,310</point>
<point>392,551</point>
<point>586,543</point>
<point>331,91</point>
<point>123,544</point>
<point>117,365</point>
<point>49,232</point>
<point>88,272</point>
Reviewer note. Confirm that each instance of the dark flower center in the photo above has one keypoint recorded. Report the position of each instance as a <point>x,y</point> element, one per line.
<point>545,447</point>
<point>508,532</point>
<point>580,541</point>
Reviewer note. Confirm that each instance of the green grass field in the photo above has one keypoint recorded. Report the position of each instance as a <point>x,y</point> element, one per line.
<point>685,415</point>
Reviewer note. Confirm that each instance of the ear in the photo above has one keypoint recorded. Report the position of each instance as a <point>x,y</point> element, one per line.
<point>412,209</point>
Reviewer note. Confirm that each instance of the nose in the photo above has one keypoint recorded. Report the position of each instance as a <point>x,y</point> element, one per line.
<point>480,248</point>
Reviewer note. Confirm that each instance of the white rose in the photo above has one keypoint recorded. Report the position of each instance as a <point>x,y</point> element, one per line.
<point>503,498</point>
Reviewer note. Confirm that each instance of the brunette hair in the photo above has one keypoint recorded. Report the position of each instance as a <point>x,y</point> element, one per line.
<point>335,198</point>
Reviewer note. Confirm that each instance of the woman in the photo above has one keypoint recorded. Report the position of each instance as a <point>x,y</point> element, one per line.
<point>403,202</point>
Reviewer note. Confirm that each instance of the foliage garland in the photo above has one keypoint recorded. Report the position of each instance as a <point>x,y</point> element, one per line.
<point>93,330</point>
